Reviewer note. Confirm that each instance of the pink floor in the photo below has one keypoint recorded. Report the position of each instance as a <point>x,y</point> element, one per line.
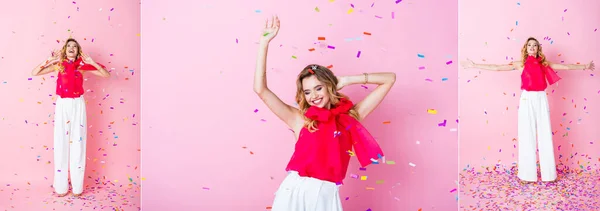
<point>501,190</point>
<point>39,196</point>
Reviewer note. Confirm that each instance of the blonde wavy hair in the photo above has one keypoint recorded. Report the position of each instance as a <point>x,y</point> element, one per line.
<point>63,52</point>
<point>540,54</point>
<point>329,80</point>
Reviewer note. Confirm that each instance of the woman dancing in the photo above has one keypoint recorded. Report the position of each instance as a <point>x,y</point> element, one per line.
<point>326,126</point>
<point>70,128</point>
<point>534,113</point>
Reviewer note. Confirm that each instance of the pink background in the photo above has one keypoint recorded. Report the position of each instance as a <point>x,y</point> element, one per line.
<point>198,103</point>
<point>495,31</point>
<point>29,30</point>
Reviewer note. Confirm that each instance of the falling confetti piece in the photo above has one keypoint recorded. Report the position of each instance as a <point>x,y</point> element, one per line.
<point>421,55</point>
<point>412,164</point>
<point>431,111</point>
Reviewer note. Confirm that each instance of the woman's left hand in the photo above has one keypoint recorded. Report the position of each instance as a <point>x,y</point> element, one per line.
<point>341,82</point>
<point>87,59</point>
<point>590,66</point>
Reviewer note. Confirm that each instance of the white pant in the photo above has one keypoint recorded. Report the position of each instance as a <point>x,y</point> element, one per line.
<point>298,193</point>
<point>70,135</point>
<point>534,122</point>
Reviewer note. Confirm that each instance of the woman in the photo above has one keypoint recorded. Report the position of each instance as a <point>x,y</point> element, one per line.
<point>326,126</point>
<point>534,114</point>
<point>70,128</point>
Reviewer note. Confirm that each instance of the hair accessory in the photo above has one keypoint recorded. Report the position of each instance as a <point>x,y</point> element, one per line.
<point>312,69</point>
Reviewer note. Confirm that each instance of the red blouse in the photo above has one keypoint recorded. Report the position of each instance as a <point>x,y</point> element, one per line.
<point>535,74</point>
<point>69,83</point>
<point>325,153</point>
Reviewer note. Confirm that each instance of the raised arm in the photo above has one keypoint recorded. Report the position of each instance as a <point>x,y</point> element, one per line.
<point>589,66</point>
<point>47,66</point>
<point>515,65</point>
<point>371,101</point>
<point>97,69</point>
<point>288,114</point>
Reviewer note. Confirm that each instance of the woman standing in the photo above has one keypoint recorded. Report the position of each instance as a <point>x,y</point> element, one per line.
<point>534,112</point>
<point>70,119</point>
<point>327,128</point>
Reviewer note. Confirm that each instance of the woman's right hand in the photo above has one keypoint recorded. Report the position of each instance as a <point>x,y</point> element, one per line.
<point>468,64</point>
<point>55,57</point>
<point>271,29</point>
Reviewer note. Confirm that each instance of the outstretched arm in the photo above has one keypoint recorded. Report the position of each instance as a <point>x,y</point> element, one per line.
<point>516,65</point>
<point>367,105</point>
<point>589,66</point>
<point>288,114</point>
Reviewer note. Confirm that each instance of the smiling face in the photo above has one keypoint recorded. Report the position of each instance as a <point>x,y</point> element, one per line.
<point>72,49</point>
<point>532,47</point>
<point>315,92</point>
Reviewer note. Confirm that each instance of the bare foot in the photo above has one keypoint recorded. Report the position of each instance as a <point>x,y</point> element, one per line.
<point>526,182</point>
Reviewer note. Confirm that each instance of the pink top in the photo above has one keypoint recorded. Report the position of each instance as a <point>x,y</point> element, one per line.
<point>325,153</point>
<point>69,83</point>
<point>535,74</point>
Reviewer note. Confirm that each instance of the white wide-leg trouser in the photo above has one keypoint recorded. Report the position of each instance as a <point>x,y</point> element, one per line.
<point>534,126</point>
<point>70,135</point>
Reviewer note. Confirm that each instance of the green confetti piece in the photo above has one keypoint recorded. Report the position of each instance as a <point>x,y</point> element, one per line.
<point>265,34</point>
<point>317,9</point>
<point>379,182</point>
<point>390,162</point>
<point>294,57</point>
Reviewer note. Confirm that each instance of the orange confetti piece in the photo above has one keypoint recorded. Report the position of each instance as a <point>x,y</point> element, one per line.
<point>112,122</point>
<point>330,66</point>
<point>366,33</point>
<point>252,153</point>
<point>312,49</point>
<point>559,54</point>
<point>321,38</point>
<point>387,122</point>
<point>269,208</point>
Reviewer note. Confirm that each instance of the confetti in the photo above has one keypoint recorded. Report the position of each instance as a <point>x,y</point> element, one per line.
<point>431,111</point>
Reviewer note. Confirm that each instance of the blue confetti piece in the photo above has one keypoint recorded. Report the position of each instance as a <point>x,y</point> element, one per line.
<point>517,23</point>
<point>116,136</point>
<point>257,11</point>
<point>444,79</point>
<point>519,3</point>
<point>421,55</point>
